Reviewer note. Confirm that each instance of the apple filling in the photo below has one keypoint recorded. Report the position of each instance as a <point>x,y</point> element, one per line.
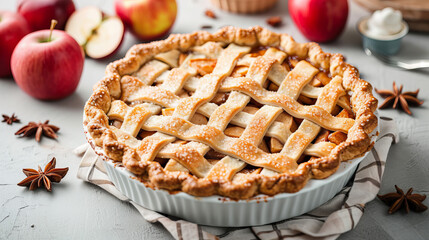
<point>269,144</point>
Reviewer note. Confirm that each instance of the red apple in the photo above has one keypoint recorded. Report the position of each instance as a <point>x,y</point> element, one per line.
<point>147,19</point>
<point>319,20</point>
<point>13,27</point>
<point>39,13</point>
<point>100,35</point>
<point>45,68</point>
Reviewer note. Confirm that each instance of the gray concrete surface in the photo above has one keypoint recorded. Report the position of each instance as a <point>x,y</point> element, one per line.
<point>76,210</point>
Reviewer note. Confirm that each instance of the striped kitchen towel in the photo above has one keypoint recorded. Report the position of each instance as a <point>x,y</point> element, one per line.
<point>337,216</point>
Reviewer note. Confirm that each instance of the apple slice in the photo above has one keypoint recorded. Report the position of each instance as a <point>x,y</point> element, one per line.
<point>99,35</point>
<point>82,23</point>
<point>107,39</point>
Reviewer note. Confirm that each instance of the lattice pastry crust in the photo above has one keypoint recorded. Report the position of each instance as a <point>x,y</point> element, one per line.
<point>236,113</point>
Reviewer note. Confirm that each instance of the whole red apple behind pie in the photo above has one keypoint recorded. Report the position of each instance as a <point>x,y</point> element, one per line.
<point>236,113</point>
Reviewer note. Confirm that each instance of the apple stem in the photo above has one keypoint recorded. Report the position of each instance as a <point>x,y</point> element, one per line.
<point>53,23</point>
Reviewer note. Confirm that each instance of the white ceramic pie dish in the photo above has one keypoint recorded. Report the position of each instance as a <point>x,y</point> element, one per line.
<point>220,211</point>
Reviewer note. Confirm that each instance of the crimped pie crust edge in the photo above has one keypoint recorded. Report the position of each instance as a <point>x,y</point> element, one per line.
<point>358,142</point>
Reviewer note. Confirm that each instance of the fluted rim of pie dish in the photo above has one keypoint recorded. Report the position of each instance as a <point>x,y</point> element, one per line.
<point>357,143</point>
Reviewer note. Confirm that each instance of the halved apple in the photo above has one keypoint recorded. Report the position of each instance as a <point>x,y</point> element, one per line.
<point>98,34</point>
<point>106,39</point>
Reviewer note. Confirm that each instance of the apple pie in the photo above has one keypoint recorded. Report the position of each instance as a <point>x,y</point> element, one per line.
<point>236,113</point>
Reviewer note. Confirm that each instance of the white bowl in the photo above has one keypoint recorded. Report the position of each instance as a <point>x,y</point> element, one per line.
<point>220,211</point>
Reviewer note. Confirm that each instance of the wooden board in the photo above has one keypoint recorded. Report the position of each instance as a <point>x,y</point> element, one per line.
<point>415,12</point>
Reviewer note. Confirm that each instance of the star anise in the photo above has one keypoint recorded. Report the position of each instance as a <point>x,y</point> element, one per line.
<point>38,178</point>
<point>38,129</point>
<point>11,119</point>
<point>398,199</point>
<point>395,96</point>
